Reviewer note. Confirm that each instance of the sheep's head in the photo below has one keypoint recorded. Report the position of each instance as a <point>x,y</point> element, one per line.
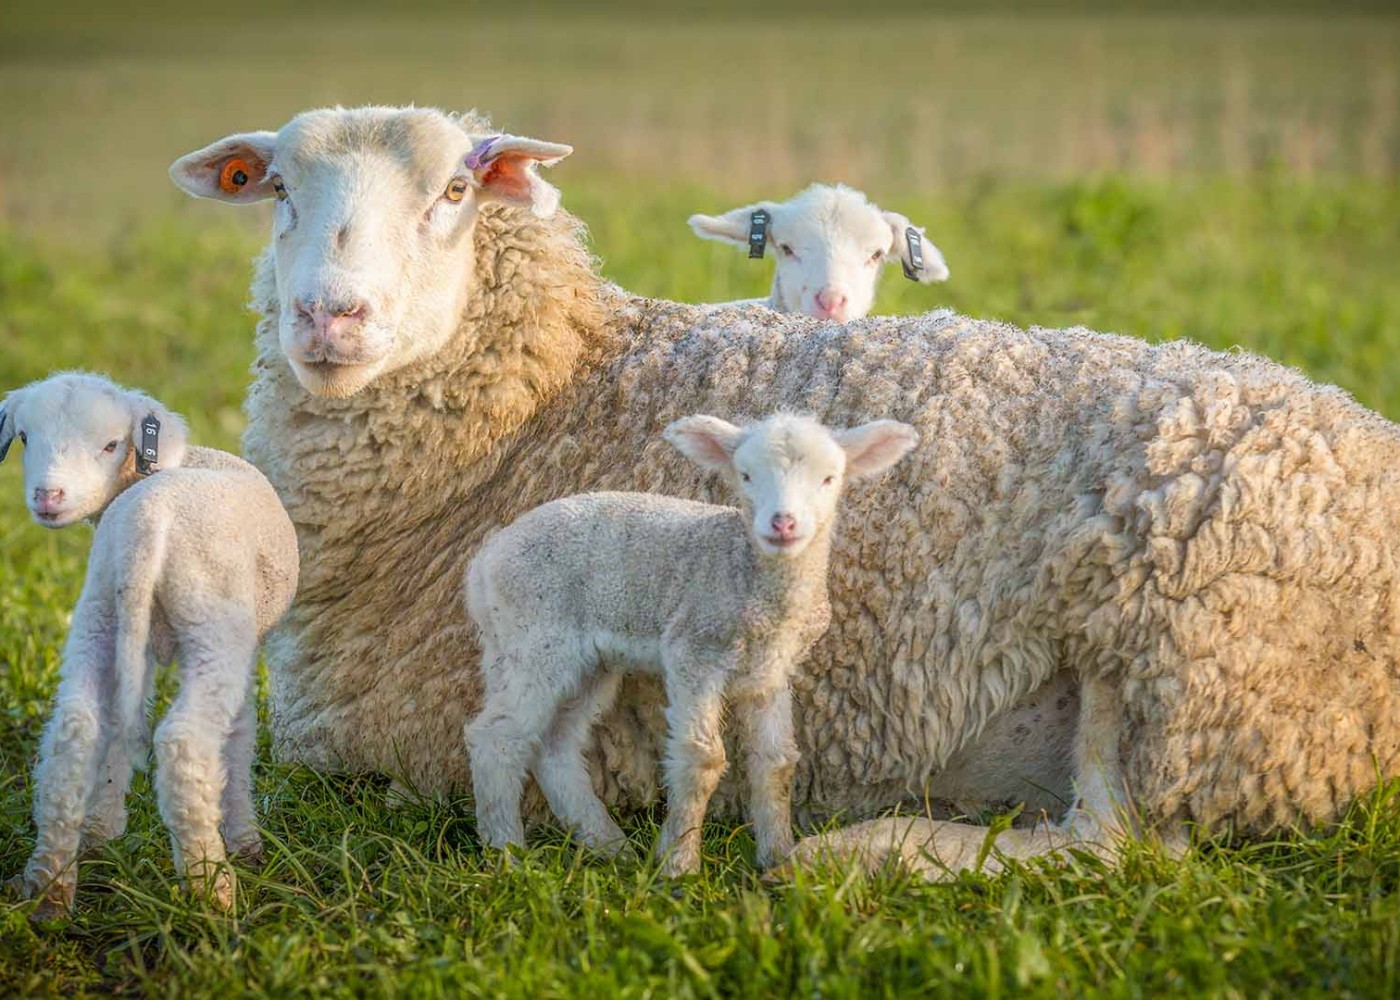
<point>81,435</point>
<point>831,244</point>
<point>789,470</point>
<point>372,235</point>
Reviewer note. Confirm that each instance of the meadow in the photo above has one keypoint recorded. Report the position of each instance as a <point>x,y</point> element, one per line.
<point>1232,180</point>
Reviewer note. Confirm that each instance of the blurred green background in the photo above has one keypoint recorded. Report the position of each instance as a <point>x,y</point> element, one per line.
<point>1226,171</point>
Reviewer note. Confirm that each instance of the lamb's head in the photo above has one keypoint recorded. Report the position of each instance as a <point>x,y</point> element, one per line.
<point>372,245</point>
<point>789,470</point>
<point>85,441</point>
<point>831,244</point>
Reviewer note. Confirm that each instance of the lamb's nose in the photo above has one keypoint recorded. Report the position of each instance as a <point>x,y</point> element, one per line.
<point>784,525</point>
<point>831,303</point>
<point>47,501</point>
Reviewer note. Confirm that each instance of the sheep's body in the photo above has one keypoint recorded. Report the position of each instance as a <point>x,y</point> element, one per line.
<point>1190,551</point>
<point>195,563</point>
<point>584,590</point>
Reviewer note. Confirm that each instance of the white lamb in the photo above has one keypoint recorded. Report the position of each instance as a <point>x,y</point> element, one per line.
<point>831,243</point>
<point>194,559</point>
<point>721,602</point>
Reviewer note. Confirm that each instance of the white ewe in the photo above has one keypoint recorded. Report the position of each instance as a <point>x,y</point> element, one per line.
<point>721,602</point>
<point>195,562</point>
<point>831,243</point>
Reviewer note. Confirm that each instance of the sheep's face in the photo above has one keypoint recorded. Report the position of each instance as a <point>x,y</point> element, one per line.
<point>78,433</point>
<point>831,245</point>
<point>789,470</point>
<point>374,213</point>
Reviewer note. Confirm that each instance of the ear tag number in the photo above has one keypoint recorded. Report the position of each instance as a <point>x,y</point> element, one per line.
<point>148,448</point>
<point>234,177</point>
<point>758,233</point>
<point>915,263</point>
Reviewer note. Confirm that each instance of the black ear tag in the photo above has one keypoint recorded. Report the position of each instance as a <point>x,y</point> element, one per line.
<point>915,262</point>
<point>148,448</point>
<point>758,232</point>
<point>5,442</point>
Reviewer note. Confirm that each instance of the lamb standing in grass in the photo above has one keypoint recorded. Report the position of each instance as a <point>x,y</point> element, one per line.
<point>582,591</point>
<point>197,562</point>
<point>831,243</point>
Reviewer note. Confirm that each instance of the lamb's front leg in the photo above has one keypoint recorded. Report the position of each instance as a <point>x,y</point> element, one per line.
<point>771,755</point>
<point>695,760</point>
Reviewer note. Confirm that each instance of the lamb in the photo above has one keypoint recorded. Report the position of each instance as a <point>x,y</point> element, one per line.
<point>195,559</point>
<point>1113,579</point>
<point>720,601</point>
<point>830,242</point>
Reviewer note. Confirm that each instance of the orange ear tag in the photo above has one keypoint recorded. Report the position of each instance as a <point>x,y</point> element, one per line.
<point>234,177</point>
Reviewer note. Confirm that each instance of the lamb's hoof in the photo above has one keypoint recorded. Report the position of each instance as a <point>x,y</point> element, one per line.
<point>249,854</point>
<point>679,863</point>
<point>215,883</point>
<point>55,900</point>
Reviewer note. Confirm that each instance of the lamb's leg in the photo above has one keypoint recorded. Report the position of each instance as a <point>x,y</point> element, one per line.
<point>1097,824</point>
<point>771,755</point>
<point>240,825</point>
<point>190,742</point>
<point>71,751</point>
<point>695,761</point>
<point>504,738</point>
<point>126,751</point>
<point>562,771</point>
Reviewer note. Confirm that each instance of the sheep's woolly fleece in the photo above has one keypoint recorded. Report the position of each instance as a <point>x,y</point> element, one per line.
<point>1211,531</point>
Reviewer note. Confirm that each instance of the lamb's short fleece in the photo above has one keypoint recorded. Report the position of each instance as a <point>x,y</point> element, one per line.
<point>720,601</point>
<point>195,562</point>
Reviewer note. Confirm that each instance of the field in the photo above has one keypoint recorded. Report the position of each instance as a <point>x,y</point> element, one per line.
<point>1229,179</point>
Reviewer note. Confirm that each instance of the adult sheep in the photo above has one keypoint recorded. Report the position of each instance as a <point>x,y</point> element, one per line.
<point>1154,581</point>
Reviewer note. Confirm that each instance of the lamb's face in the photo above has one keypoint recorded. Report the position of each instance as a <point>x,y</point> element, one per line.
<point>77,432</point>
<point>789,470</point>
<point>372,235</point>
<point>831,245</point>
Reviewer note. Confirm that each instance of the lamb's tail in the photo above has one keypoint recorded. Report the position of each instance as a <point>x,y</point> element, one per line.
<point>136,596</point>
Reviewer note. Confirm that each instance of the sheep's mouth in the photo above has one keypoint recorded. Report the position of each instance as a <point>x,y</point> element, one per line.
<point>782,543</point>
<point>334,378</point>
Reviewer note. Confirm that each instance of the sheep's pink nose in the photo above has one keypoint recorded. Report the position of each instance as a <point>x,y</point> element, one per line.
<point>47,501</point>
<point>784,525</point>
<point>333,324</point>
<point>831,303</point>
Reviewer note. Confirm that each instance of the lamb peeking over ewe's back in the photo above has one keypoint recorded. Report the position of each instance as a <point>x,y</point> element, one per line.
<point>831,244</point>
<point>721,602</point>
<point>194,558</point>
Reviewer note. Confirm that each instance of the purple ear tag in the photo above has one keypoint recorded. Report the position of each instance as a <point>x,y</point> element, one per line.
<point>481,155</point>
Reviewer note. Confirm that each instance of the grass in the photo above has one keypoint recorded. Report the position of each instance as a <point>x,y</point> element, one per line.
<point>359,900</point>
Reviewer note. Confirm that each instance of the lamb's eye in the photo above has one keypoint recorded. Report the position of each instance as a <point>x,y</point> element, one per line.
<point>457,190</point>
<point>877,256</point>
<point>745,477</point>
<point>828,480</point>
<point>786,250</point>
<point>279,189</point>
<point>111,446</point>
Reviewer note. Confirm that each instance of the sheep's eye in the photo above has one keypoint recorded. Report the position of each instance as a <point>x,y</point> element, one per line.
<point>828,480</point>
<point>786,250</point>
<point>457,190</point>
<point>23,438</point>
<point>111,446</point>
<point>745,477</point>
<point>279,189</point>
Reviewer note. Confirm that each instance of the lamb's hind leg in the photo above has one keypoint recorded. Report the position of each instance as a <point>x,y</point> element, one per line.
<point>190,747</point>
<point>240,823</point>
<point>562,771</point>
<point>1097,824</point>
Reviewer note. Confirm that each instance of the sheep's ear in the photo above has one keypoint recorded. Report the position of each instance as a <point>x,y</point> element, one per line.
<point>232,169</point>
<point>709,442</point>
<point>733,226</point>
<point>158,436</point>
<point>7,425</point>
<point>872,448</point>
<point>929,265</point>
<point>505,168</point>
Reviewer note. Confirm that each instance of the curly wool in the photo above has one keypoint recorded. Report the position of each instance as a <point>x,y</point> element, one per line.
<point>1211,531</point>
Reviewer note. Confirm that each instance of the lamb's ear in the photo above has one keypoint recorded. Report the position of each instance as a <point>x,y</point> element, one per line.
<point>930,265</point>
<point>7,424</point>
<point>872,448</point>
<point>733,226</point>
<point>505,168</point>
<point>709,442</point>
<point>158,436</point>
<point>232,169</point>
